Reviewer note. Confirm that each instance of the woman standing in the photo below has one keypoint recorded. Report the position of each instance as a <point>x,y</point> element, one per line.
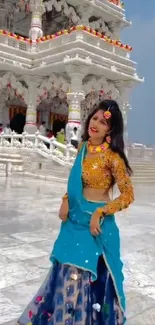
<point>85,284</point>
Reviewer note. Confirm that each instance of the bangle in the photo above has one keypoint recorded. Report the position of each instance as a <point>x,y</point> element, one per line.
<point>101,212</point>
<point>65,197</point>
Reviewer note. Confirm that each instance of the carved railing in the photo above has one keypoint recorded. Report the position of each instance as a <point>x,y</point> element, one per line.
<point>41,46</point>
<point>140,152</point>
<point>64,154</point>
<point>14,42</point>
<point>49,148</point>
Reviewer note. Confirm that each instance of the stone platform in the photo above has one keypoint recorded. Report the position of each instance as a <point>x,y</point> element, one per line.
<point>28,227</point>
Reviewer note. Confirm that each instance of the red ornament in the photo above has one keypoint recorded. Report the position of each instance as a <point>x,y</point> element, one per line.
<point>73,28</point>
<point>39,299</point>
<point>30,314</point>
<point>98,34</point>
<point>107,115</point>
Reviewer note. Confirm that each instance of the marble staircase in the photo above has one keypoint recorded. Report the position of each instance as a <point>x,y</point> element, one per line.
<point>37,166</point>
<point>10,162</point>
<point>143,171</point>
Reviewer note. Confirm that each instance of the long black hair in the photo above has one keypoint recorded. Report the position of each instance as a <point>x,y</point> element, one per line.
<point>117,128</point>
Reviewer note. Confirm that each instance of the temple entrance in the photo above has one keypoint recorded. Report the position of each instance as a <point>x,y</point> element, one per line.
<point>17,123</point>
<point>14,110</point>
<point>17,116</point>
<point>57,126</point>
<point>59,122</point>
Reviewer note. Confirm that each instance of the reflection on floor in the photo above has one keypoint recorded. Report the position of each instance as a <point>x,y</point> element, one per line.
<point>28,227</point>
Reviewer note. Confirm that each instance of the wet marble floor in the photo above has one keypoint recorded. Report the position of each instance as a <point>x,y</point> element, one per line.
<point>28,227</point>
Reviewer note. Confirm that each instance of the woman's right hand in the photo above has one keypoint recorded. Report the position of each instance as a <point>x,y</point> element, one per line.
<point>64,209</point>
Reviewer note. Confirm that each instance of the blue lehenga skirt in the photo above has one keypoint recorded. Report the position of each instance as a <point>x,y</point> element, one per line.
<point>68,297</point>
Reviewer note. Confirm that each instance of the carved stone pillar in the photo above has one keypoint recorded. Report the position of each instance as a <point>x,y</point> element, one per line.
<point>86,13</point>
<point>37,8</point>
<point>2,108</point>
<point>74,96</point>
<point>115,29</point>
<point>74,113</point>
<point>31,112</point>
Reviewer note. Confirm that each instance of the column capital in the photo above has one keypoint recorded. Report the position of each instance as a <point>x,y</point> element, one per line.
<point>85,13</point>
<point>80,95</point>
<point>76,77</point>
<point>73,70</point>
<point>32,80</point>
<point>37,6</point>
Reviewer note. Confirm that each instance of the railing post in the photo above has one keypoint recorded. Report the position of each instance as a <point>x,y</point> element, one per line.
<point>1,140</point>
<point>68,153</point>
<point>8,168</point>
<point>12,134</point>
<point>36,143</point>
<point>23,139</point>
<point>52,146</point>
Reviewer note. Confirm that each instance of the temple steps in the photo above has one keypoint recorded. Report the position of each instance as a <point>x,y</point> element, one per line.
<point>36,166</point>
<point>47,169</point>
<point>143,172</point>
<point>9,163</point>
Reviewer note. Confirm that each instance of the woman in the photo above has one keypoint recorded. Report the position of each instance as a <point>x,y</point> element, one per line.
<point>61,136</point>
<point>85,284</point>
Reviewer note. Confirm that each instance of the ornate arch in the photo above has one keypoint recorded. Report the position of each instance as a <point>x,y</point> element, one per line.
<point>15,88</point>
<point>97,89</point>
<point>52,87</point>
<point>63,5</point>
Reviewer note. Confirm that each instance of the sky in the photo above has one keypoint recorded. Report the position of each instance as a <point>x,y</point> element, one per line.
<point>141,36</point>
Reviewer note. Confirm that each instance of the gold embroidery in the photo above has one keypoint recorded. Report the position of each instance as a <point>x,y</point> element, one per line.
<point>99,171</point>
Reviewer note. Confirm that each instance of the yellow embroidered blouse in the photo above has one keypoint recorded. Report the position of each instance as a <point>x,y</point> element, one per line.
<point>101,171</point>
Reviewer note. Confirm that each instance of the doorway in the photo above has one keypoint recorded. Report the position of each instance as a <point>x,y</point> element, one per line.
<point>17,123</point>
<point>57,126</point>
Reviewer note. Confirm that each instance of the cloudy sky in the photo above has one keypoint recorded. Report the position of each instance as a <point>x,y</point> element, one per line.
<point>141,122</point>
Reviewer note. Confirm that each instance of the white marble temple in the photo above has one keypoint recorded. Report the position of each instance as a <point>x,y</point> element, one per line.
<point>29,226</point>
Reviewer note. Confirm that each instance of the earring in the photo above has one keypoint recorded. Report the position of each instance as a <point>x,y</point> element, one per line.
<point>108,139</point>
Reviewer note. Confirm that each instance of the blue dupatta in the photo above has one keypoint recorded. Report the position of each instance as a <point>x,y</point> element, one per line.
<point>76,246</point>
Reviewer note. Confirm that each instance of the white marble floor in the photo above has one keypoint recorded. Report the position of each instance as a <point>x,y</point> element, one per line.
<point>28,227</point>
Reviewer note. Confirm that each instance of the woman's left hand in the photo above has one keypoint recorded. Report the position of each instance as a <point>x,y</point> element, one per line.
<point>95,228</point>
